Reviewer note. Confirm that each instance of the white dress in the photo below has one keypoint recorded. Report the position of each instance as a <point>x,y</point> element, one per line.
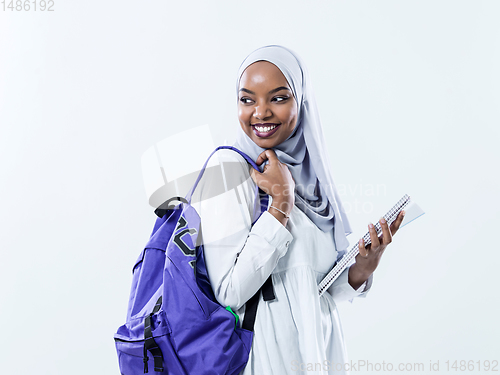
<point>298,331</point>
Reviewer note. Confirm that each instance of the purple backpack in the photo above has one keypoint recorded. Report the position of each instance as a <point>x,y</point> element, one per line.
<point>174,323</point>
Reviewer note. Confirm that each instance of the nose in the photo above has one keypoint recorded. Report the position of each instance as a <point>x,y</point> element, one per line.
<point>262,112</point>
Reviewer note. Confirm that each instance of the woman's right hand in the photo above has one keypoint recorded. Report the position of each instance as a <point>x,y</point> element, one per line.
<point>276,180</point>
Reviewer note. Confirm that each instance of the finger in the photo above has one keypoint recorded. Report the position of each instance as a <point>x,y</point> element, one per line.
<point>386,233</point>
<point>271,156</point>
<point>261,158</point>
<point>397,223</point>
<point>362,249</point>
<point>373,236</point>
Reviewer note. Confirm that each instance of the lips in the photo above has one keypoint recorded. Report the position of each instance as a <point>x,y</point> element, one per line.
<point>263,133</point>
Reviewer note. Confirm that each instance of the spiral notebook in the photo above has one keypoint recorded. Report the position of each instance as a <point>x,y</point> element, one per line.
<point>412,212</point>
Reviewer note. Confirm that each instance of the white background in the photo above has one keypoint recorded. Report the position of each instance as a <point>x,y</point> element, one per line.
<point>409,95</point>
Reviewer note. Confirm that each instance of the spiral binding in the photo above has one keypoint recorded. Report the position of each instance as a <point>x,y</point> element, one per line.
<point>348,257</point>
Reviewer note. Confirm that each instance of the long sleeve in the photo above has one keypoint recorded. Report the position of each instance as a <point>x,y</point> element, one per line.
<point>239,257</point>
<point>341,290</point>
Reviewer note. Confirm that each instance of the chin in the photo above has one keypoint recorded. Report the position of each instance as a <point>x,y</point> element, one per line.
<point>266,144</point>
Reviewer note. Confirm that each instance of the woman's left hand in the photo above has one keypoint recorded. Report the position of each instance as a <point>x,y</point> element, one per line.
<point>369,257</point>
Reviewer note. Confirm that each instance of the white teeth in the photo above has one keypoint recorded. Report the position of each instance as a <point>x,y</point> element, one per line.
<point>265,129</point>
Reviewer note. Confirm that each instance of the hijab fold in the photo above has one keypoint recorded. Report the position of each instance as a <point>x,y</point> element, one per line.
<point>304,151</point>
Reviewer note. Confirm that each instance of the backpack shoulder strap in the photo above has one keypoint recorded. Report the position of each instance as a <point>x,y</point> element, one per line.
<point>251,305</point>
<point>259,194</point>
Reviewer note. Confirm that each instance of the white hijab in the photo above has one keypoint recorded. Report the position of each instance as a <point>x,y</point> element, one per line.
<point>304,151</point>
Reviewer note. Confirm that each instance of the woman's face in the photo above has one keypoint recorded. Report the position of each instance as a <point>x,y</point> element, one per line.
<point>267,110</point>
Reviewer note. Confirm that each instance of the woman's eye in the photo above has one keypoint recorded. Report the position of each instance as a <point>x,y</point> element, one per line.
<point>245,100</point>
<point>280,98</point>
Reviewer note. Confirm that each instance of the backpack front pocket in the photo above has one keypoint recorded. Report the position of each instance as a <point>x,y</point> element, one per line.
<point>132,356</point>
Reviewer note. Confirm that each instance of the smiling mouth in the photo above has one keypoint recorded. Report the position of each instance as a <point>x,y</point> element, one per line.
<point>265,130</point>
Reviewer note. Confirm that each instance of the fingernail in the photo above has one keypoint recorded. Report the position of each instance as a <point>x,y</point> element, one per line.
<point>382,221</point>
<point>370,226</point>
<point>402,213</point>
<point>360,242</point>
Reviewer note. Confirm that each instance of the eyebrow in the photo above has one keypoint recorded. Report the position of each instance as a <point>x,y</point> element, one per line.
<point>270,92</point>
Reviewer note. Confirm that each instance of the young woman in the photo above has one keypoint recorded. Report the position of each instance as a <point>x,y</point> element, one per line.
<point>301,235</point>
